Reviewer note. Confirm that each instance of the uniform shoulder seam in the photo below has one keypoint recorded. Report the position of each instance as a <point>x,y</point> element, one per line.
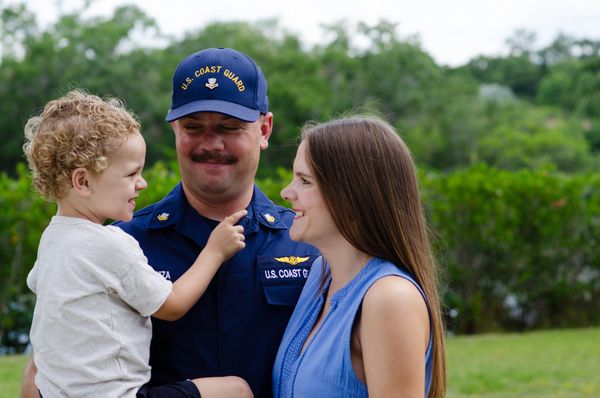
<point>145,211</point>
<point>282,209</point>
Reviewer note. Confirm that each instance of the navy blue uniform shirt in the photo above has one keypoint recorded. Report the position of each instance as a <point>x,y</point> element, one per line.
<point>236,326</point>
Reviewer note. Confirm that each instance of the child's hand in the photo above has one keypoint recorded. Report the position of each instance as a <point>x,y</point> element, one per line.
<point>227,238</point>
<point>224,242</point>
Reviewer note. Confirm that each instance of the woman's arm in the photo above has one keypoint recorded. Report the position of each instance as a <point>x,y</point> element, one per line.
<point>223,387</point>
<point>393,334</point>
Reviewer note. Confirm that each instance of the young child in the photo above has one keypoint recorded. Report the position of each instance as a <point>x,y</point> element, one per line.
<point>95,291</point>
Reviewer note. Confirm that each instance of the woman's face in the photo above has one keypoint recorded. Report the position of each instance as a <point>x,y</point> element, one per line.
<point>313,223</point>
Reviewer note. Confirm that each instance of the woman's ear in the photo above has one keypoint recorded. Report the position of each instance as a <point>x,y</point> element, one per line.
<point>80,179</point>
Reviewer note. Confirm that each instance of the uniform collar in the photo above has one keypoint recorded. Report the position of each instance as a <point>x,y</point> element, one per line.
<point>264,211</point>
<point>171,210</point>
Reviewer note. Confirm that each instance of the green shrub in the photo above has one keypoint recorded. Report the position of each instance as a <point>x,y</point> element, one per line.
<point>519,250</point>
<point>24,215</point>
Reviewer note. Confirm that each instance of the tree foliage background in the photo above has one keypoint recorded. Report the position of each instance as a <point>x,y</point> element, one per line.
<point>507,145</point>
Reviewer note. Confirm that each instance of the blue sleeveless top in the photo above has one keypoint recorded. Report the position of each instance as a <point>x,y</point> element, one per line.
<point>324,369</point>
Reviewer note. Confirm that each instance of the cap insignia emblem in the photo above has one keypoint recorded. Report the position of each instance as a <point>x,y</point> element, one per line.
<point>163,217</point>
<point>212,83</point>
<point>292,260</point>
<point>269,218</point>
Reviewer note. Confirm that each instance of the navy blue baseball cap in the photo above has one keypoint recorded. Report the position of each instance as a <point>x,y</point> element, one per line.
<point>219,80</point>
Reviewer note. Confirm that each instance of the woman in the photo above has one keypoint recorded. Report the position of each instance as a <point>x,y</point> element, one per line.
<point>368,322</point>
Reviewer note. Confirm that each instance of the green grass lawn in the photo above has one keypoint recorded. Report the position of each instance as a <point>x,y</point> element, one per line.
<point>11,371</point>
<point>549,364</point>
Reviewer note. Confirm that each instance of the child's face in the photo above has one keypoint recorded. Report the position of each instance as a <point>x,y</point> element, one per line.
<point>115,189</point>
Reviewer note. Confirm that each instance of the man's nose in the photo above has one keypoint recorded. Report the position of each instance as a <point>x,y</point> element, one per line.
<point>213,141</point>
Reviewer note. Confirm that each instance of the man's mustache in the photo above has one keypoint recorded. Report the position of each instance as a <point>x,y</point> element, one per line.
<point>214,157</point>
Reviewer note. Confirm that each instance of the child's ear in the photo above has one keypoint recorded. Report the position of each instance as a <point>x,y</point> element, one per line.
<point>80,179</point>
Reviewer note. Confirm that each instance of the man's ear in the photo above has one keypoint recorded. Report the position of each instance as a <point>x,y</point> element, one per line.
<point>266,128</point>
<point>80,180</point>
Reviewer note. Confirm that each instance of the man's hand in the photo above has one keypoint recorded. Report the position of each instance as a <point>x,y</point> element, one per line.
<point>28,387</point>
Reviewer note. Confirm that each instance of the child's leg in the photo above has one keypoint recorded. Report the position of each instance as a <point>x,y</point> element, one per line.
<point>180,389</point>
<point>223,387</point>
<point>206,387</point>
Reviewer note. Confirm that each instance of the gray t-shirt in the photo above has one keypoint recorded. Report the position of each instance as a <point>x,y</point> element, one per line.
<point>91,325</point>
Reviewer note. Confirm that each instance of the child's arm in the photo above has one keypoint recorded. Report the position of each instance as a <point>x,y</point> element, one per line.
<point>226,240</point>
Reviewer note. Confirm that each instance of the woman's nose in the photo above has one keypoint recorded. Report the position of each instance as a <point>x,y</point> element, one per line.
<point>286,193</point>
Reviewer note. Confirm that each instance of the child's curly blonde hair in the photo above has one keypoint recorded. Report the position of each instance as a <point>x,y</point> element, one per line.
<point>76,130</point>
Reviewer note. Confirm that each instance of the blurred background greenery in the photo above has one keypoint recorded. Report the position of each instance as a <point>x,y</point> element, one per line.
<point>507,146</point>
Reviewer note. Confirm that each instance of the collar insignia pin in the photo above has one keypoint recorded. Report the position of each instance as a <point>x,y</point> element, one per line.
<point>163,217</point>
<point>212,83</point>
<point>269,218</point>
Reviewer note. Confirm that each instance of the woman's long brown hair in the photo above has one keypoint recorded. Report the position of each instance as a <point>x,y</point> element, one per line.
<point>368,181</point>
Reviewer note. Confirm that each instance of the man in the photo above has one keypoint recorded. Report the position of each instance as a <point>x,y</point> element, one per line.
<point>219,114</point>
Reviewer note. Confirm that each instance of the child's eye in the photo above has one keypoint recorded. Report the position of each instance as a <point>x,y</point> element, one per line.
<point>304,181</point>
